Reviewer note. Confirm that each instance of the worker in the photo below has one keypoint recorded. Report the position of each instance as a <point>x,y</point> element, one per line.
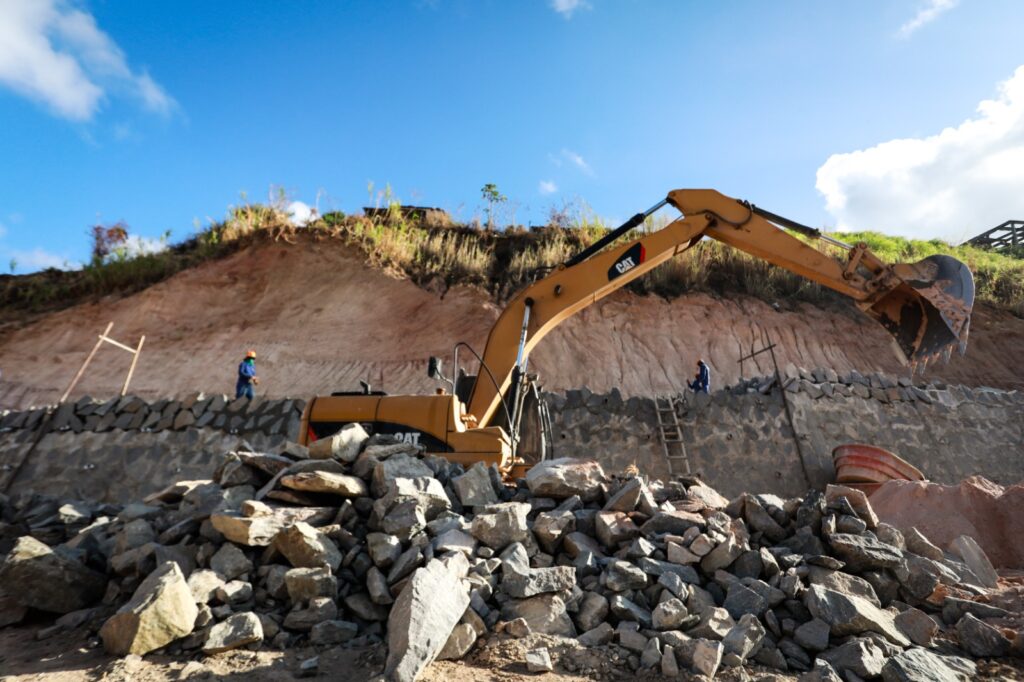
<point>247,376</point>
<point>702,380</point>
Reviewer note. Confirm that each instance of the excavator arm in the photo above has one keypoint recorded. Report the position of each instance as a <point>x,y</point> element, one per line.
<point>926,306</point>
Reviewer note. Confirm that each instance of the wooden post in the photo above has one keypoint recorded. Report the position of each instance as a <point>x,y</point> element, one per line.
<point>85,364</point>
<point>135,359</point>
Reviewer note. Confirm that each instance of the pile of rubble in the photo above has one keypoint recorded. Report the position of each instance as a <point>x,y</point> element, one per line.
<point>358,541</point>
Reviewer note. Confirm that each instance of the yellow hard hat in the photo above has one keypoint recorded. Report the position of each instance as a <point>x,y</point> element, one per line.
<point>251,354</point>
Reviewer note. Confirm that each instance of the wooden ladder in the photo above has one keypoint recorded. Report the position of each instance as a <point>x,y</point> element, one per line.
<point>672,435</point>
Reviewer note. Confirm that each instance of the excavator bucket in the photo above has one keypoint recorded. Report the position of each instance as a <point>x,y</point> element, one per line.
<point>929,313</point>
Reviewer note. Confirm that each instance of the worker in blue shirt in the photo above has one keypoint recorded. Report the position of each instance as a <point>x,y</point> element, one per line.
<point>702,381</point>
<point>247,376</point>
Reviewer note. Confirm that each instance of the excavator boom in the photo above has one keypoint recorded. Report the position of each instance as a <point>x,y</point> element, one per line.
<point>925,306</point>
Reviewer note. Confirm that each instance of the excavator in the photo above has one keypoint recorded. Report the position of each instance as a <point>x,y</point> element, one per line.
<point>497,416</point>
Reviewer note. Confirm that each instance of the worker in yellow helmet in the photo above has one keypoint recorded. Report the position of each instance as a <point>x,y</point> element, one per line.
<point>247,376</point>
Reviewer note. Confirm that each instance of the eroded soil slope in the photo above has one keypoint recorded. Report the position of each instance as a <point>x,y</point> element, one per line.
<point>321,320</point>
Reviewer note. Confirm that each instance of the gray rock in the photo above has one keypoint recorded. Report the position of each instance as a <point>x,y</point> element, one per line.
<point>325,482</point>
<point>48,580</point>
<point>715,623</point>
<point>304,584</point>
<point>538,661</point>
<point>397,466</point>
<point>474,487</point>
<point>614,528</point>
<point>306,547</point>
<point>918,544</point>
<point>741,600</point>
<point>384,549</point>
<point>544,613</point>
<point>626,609</point>
<point>974,556</point>
<point>343,446</point>
<point>533,581</point>
<point>651,655</point>
<point>160,611</point>
<point>237,631</point>
<point>918,626</point>
<point>705,657</point>
<point>593,609</point>
<point>859,656</point>
<point>669,614</point>
<point>851,615</point>
<point>621,576</point>
<point>598,636</point>
<point>550,527</point>
<point>721,556</point>
<point>843,582</point>
<point>501,524</point>
<point>230,562</point>
<point>319,610</point>
<point>669,664</point>
<point>362,605</point>
<point>672,522</point>
<point>745,638</point>
<point>980,639</point>
<point>422,620</point>
<point>333,632</point>
<point>862,553</point>
<point>235,592</point>
<point>921,665</point>
<point>812,635</point>
<point>627,497</point>
<point>459,642</point>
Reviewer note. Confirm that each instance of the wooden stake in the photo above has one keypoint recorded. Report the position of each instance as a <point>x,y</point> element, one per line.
<point>85,364</point>
<point>135,359</point>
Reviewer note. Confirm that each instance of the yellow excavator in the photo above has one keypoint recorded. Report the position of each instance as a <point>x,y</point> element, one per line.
<point>498,417</point>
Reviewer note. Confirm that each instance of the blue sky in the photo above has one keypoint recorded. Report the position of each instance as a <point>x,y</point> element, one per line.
<point>903,116</point>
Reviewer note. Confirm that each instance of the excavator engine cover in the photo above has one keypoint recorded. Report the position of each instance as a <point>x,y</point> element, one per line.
<point>929,313</point>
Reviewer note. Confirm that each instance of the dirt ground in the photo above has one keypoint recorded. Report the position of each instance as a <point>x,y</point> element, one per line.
<point>321,320</point>
<point>76,656</point>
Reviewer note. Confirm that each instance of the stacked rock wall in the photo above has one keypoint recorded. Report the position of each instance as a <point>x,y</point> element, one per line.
<point>739,438</point>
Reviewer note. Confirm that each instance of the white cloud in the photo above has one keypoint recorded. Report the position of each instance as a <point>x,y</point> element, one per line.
<point>547,187</point>
<point>951,185</point>
<point>567,7</point>
<point>301,213</point>
<point>572,158</point>
<point>54,53</point>
<point>38,259</point>
<point>140,246</point>
<point>928,13</point>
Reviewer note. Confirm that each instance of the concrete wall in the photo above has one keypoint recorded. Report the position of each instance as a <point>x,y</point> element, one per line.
<point>738,439</point>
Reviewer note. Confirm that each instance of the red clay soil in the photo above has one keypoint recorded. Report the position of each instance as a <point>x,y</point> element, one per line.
<point>991,514</point>
<point>321,319</point>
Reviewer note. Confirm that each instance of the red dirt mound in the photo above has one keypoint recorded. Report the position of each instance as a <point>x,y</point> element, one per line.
<point>991,514</point>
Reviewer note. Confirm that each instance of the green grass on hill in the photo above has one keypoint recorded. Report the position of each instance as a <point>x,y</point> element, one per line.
<point>500,261</point>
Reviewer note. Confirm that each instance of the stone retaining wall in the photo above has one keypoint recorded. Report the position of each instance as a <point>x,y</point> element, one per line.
<point>738,438</point>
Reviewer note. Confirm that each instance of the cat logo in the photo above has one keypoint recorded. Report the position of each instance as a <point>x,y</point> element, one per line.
<point>633,257</point>
<point>410,437</point>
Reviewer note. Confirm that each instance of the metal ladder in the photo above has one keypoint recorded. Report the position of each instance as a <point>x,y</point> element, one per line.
<point>672,435</point>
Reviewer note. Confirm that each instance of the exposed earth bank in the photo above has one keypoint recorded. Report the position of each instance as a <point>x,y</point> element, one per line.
<point>321,320</point>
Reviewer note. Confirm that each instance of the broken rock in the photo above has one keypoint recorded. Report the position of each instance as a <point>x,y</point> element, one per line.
<point>237,631</point>
<point>564,477</point>
<point>422,620</point>
<point>41,578</point>
<point>161,610</point>
<point>306,547</point>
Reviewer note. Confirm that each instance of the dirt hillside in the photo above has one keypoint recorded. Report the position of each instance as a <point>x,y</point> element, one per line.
<point>321,320</point>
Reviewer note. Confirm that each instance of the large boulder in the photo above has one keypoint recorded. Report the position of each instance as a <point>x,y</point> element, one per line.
<point>161,610</point>
<point>343,446</point>
<point>565,477</point>
<point>850,615</point>
<point>398,466</point>
<point>422,620</point>
<point>38,577</point>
